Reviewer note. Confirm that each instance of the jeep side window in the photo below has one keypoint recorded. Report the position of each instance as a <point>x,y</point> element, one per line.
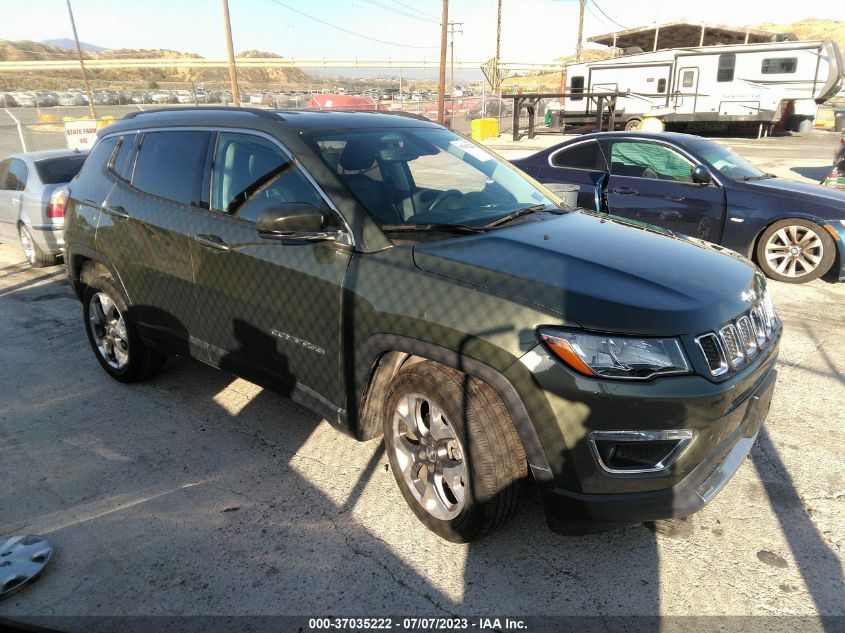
<point>170,165</point>
<point>251,174</point>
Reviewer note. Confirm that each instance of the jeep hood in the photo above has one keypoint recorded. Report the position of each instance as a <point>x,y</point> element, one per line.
<point>602,274</point>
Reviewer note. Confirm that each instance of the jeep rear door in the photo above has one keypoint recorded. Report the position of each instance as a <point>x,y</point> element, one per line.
<point>270,310</point>
<point>145,226</point>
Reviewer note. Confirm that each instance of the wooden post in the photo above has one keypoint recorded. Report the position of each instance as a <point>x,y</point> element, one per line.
<point>495,85</point>
<point>81,65</point>
<point>233,71</point>
<point>441,80</point>
<point>578,47</point>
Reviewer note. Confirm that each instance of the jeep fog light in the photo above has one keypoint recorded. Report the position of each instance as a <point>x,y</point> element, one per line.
<point>631,452</point>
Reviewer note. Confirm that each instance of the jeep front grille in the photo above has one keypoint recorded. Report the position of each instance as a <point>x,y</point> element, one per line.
<point>714,353</point>
<point>738,342</point>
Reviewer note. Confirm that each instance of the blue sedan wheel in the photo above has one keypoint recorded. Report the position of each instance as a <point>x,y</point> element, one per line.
<point>795,251</point>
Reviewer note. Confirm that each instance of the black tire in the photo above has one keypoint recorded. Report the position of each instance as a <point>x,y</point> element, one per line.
<point>496,465</point>
<point>36,257</point>
<point>826,252</point>
<point>142,362</point>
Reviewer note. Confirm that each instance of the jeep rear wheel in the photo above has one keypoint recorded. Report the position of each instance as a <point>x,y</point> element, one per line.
<point>454,451</point>
<point>112,335</point>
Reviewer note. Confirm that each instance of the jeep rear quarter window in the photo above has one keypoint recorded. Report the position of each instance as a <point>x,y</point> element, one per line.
<point>170,165</point>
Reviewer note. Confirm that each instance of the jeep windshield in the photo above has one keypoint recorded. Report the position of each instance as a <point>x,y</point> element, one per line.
<point>429,179</point>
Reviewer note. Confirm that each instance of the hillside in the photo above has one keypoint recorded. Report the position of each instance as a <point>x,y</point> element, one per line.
<point>136,77</point>
<point>812,29</point>
<point>66,42</point>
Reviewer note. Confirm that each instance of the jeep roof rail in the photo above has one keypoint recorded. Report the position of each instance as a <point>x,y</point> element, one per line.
<point>257,111</point>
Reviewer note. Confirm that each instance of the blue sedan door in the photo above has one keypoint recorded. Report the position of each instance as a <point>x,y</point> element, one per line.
<point>652,182</point>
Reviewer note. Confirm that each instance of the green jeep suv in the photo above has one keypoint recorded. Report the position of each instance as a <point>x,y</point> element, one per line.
<point>410,285</point>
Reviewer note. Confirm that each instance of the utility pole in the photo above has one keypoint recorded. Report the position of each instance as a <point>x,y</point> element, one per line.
<point>82,64</point>
<point>578,47</point>
<point>233,71</point>
<point>452,29</point>
<point>498,51</point>
<point>441,80</point>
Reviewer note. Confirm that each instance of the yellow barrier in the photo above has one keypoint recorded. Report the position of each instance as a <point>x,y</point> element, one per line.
<point>484,128</point>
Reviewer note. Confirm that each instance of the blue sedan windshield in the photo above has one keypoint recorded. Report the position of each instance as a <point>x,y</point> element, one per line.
<point>725,161</point>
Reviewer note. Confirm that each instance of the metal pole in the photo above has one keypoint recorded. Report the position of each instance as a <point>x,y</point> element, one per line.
<point>581,5</point>
<point>81,64</point>
<point>495,85</point>
<point>233,71</point>
<point>441,80</point>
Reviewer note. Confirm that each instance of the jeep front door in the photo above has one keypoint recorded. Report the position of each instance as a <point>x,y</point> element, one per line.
<point>270,309</point>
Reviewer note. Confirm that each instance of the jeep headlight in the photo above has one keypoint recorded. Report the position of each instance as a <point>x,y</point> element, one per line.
<point>611,356</point>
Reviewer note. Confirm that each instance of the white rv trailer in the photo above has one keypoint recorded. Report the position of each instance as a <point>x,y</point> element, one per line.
<point>709,85</point>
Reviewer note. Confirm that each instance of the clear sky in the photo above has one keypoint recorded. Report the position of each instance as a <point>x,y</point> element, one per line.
<point>533,30</point>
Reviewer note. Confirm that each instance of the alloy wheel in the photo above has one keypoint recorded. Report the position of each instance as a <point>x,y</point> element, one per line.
<point>794,251</point>
<point>27,245</point>
<point>430,456</point>
<point>108,330</point>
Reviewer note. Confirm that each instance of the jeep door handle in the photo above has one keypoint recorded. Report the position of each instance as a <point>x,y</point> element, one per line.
<point>212,241</point>
<point>117,211</point>
<point>624,191</point>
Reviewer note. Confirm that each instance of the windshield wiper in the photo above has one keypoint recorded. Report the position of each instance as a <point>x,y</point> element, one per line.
<point>513,215</point>
<point>760,177</point>
<point>409,228</point>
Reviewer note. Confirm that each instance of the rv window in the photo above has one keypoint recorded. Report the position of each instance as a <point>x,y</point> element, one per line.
<point>648,160</point>
<point>576,87</point>
<point>581,156</point>
<point>661,85</point>
<point>779,65</point>
<point>688,78</point>
<point>727,63</point>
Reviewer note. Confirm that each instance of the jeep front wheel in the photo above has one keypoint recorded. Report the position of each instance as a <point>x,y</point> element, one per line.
<point>453,450</point>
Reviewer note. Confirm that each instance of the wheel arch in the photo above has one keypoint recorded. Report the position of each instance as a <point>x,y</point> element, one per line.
<point>383,355</point>
<point>84,263</point>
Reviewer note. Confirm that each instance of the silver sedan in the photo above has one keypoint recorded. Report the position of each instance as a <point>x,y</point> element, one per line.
<point>32,197</point>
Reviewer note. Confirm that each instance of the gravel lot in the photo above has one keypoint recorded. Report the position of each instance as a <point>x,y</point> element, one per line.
<point>198,494</point>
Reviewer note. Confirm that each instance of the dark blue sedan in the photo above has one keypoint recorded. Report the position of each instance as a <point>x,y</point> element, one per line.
<point>793,231</point>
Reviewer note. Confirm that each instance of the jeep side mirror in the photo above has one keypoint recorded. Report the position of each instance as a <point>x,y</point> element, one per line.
<point>701,175</point>
<point>293,220</point>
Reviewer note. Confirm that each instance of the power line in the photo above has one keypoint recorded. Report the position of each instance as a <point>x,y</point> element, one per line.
<point>340,28</point>
<point>595,4</point>
<point>405,14</point>
<point>408,6</point>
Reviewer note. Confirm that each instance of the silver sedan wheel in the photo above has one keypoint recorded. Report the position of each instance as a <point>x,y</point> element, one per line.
<point>430,456</point>
<point>794,251</point>
<point>27,245</point>
<point>108,330</point>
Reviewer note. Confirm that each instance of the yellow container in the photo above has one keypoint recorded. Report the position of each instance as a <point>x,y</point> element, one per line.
<point>484,128</point>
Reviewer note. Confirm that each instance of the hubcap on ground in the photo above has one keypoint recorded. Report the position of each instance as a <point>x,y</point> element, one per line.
<point>26,244</point>
<point>430,456</point>
<point>109,330</point>
<point>794,251</point>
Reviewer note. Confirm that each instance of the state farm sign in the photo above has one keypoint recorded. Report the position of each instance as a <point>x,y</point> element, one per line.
<point>80,134</point>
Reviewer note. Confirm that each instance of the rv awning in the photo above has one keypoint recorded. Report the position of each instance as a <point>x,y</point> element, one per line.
<point>683,35</point>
